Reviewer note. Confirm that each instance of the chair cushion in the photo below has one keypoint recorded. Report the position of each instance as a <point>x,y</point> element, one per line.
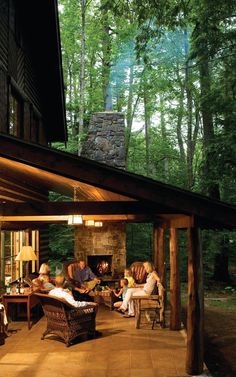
<point>138,272</point>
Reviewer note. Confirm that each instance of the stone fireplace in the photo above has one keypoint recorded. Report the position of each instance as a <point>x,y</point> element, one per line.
<point>104,246</point>
<point>108,243</point>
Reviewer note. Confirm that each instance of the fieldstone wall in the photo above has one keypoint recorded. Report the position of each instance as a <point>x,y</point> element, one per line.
<point>106,139</point>
<point>106,144</point>
<point>110,239</point>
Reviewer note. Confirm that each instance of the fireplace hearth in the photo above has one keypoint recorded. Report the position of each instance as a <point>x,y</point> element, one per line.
<point>101,265</point>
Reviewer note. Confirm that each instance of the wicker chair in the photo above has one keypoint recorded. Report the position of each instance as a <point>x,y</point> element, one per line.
<point>138,272</point>
<point>66,321</point>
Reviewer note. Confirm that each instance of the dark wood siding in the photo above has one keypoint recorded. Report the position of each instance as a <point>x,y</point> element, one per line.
<point>44,244</point>
<point>3,101</point>
<point>17,63</point>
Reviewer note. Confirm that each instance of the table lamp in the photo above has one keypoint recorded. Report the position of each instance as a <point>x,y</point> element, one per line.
<point>26,254</point>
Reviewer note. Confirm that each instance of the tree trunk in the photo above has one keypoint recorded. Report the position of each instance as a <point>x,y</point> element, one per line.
<point>147,123</point>
<point>188,88</point>
<point>129,117</point>
<point>164,136</point>
<point>82,75</point>
<point>106,61</point>
<point>210,185</point>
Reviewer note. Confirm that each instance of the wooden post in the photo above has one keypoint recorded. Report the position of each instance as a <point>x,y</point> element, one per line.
<point>159,252</point>
<point>159,259</point>
<point>2,256</point>
<point>175,303</point>
<point>195,327</point>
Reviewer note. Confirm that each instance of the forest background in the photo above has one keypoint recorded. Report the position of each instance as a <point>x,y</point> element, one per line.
<point>169,66</point>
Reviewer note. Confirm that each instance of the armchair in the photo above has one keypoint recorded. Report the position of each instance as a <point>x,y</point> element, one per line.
<point>138,272</point>
<point>66,321</point>
<point>69,271</point>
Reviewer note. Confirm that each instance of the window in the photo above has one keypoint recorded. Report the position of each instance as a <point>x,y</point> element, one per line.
<point>15,115</point>
<point>10,246</point>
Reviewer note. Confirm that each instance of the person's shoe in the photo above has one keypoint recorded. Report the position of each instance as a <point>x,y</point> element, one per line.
<point>119,310</point>
<point>128,316</point>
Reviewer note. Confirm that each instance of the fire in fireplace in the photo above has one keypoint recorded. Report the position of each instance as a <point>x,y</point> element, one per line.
<point>100,264</point>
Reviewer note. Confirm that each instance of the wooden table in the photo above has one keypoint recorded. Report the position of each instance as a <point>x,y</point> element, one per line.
<point>105,297</point>
<point>28,297</point>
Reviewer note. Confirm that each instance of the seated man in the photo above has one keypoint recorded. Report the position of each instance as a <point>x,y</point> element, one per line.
<point>60,292</point>
<point>85,276</point>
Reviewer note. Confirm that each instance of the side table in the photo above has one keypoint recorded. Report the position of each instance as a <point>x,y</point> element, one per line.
<point>105,297</point>
<point>29,298</point>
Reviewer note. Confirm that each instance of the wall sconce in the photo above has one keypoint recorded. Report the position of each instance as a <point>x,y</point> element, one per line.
<point>89,223</point>
<point>75,220</point>
<point>98,223</point>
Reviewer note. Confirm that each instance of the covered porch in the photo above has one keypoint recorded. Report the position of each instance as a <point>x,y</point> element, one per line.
<point>109,194</point>
<point>121,351</point>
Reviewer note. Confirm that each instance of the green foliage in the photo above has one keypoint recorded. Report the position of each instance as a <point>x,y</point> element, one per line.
<point>139,242</point>
<point>61,241</point>
<point>152,54</point>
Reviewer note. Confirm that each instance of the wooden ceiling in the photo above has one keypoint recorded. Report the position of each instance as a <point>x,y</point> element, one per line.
<point>19,181</point>
<point>28,171</point>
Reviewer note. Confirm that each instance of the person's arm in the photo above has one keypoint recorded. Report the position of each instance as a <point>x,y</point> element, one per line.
<point>91,275</point>
<point>69,298</point>
<point>118,294</point>
<point>155,274</point>
<point>160,287</point>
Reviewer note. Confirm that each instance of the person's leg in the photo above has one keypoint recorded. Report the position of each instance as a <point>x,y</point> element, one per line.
<point>117,304</point>
<point>139,292</point>
<point>128,296</point>
<point>81,296</point>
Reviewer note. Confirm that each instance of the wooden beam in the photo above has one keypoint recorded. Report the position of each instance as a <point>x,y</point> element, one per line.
<point>181,221</point>
<point>37,158</point>
<point>82,208</point>
<point>195,309</point>
<point>175,305</point>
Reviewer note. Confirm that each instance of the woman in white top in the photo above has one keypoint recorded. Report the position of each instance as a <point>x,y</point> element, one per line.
<point>148,288</point>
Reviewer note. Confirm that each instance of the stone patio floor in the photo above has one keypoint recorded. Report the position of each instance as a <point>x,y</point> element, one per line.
<point>121,351</point>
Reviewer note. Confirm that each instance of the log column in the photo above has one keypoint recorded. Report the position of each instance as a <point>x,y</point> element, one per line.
<point>159,252</point>
<point>195,312</point>
<point>175,304</point>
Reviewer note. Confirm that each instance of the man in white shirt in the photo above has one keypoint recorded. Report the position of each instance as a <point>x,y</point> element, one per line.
<point>60,292</point>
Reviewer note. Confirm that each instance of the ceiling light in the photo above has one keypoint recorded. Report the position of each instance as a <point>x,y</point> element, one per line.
<point>75,220</point>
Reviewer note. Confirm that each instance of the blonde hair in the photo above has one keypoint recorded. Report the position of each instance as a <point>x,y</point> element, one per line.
<point>59,280</point>
<point>129,271</point>
<point>125,281</point>
<point>44,269</point>
<point>148,267</point>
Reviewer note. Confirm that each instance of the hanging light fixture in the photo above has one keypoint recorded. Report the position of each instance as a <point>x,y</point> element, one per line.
<point>98,223</point>
<point>89,223</point>
<point>75,220</point>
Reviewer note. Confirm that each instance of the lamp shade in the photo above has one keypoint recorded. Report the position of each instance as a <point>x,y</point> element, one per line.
<point>26,253</point>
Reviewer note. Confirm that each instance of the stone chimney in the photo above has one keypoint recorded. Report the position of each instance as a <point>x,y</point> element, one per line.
<point>106,139</point>
<point>106,144</point>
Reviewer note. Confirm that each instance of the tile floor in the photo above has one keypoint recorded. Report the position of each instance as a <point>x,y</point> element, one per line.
<point>121,351</point>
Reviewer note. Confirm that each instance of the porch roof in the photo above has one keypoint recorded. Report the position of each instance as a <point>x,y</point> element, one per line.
<point>120,195</point>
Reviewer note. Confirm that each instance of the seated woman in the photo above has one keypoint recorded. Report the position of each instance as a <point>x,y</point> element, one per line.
<point>148,288</point>
<point>43,281</point>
